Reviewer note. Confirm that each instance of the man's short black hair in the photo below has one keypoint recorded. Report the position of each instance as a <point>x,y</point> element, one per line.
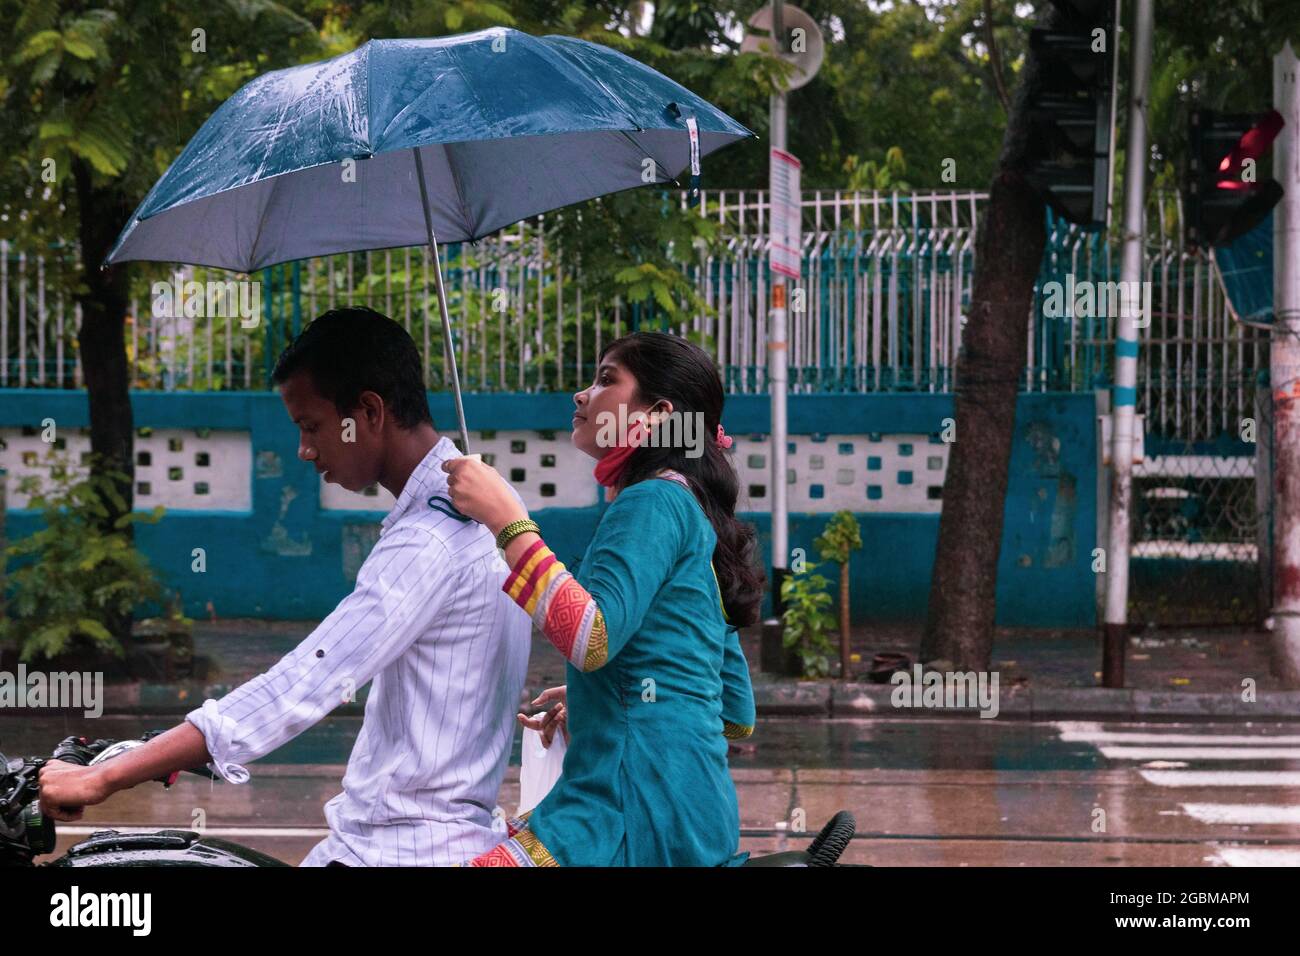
<point>354,350</point>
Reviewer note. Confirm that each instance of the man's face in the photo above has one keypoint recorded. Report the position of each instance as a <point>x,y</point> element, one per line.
<point>346,453</point>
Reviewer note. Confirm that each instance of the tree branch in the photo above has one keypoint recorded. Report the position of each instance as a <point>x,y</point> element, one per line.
<point>995,58</point>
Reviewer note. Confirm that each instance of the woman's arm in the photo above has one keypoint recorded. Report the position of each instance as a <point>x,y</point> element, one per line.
<point>634,550</point>
<point>737,691</point>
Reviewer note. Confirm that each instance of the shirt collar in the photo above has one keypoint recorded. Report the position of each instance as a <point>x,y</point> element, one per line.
<point>426,478</point>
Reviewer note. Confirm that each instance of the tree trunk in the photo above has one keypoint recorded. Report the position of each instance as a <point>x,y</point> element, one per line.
<point>103,212</point>
<point>844,620</point>
<point>1009,251</point>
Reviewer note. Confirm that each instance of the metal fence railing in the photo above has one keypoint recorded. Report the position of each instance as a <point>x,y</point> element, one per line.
<point>881,306</point>
<point>886,281</point>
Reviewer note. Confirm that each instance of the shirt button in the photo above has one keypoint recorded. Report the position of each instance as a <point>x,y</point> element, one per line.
<point>320,653</point>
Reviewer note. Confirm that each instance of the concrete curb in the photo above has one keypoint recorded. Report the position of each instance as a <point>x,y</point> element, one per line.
<point>828,698</point>
<point>792,698</point>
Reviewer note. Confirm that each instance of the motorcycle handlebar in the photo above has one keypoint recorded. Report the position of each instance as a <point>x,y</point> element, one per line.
<point>80,750</point>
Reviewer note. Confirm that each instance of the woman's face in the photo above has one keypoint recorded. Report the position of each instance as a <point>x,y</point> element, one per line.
<point>606,409</point>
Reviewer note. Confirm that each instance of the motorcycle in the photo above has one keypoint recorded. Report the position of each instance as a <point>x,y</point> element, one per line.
<point>26,833</point>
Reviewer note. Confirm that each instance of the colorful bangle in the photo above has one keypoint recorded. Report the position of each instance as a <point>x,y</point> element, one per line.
<point>514,529</point>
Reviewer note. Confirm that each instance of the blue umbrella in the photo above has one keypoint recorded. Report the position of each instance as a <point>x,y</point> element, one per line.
<point>407,142</point>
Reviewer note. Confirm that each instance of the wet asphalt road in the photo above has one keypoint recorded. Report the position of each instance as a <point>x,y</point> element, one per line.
<point>929,791</point>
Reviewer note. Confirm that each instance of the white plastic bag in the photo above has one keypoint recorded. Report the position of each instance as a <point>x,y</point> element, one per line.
<point>540,768</point>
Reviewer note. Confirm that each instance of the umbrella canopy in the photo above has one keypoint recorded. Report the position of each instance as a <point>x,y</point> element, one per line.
<point>506,126</point>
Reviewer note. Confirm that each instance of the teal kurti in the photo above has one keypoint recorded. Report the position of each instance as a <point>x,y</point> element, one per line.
<point>645,780</point>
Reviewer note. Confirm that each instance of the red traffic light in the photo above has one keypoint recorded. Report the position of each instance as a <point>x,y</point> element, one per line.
<point>1253,144</point>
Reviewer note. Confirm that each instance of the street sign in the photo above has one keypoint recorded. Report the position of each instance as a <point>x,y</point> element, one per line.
<point>786,226</point>
<point>802,43</point>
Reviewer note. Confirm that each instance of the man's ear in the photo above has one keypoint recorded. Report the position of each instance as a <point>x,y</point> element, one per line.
<point>371,406</point>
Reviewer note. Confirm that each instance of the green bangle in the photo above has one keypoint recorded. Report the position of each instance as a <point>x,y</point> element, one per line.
<point>514,529</point>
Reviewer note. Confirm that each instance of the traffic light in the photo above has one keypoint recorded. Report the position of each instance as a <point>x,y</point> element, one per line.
<point>1068,149</point>
<point>1225,194</point>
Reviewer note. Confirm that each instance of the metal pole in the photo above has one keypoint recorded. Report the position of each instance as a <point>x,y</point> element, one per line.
<point>777,363</point>
<point>1126,350</point>
<point>448,346</point>
<point>1284,373</point>
<point>1114,102</point>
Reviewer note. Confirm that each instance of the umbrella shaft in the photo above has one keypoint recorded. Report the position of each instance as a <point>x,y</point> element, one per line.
<point>448,344</point>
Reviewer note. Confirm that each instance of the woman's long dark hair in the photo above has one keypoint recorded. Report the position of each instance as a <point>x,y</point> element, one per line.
<point>670,368</point>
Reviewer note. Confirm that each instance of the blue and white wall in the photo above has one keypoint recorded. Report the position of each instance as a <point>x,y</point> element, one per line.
<point>280,544</point>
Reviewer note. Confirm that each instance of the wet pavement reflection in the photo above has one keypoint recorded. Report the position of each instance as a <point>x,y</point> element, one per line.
<point>929,791</point>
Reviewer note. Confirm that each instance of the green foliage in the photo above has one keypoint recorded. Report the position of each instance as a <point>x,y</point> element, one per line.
<point>115,89</point>
<point>886,175</point>
<point>75,575</point>
<point>809,623</point>
<point>842,536</point>
<point>119,88</point>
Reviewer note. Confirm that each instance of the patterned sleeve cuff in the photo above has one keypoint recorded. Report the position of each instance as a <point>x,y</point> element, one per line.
<point>522,848</point>
<point>560,607</point>
<point>736,731</point>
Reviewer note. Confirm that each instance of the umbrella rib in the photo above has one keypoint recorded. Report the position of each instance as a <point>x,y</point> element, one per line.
<point>646,152</point>
<point>261,221</point>
<point>460,193</point>
<point>563,54</point>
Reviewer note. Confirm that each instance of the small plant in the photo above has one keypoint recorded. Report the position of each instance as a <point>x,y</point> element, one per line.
<point>809,624</point>
<point>842,536</point>
<point>74,576</point>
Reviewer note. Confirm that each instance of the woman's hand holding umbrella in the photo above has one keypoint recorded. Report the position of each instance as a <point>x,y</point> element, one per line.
<point>480,493</point>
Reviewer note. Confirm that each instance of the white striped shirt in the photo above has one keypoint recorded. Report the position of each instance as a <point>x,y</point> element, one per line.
<point>448,652</point>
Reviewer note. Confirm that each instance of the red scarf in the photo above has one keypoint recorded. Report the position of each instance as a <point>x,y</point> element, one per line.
<point>609,470</point>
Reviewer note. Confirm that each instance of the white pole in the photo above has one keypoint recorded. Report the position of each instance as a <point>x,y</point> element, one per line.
<point>448,346</point>
<point>1284,369</point>
<point>1126,350</point>
<point>777,360</point>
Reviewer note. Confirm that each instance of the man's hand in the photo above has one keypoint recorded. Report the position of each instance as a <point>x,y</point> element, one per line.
<point>67,789</point>
<point>547,722</point>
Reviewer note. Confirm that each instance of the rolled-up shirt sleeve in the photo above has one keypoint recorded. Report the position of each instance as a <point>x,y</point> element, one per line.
<point>400,588</point>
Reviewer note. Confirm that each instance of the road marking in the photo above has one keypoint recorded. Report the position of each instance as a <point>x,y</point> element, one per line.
<point>1089,732</point>
<point>315,832</point>
<point>1250,856</point>
<point>1201,753</point>
<point>1222,778</point>
<point>1245,814</point>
